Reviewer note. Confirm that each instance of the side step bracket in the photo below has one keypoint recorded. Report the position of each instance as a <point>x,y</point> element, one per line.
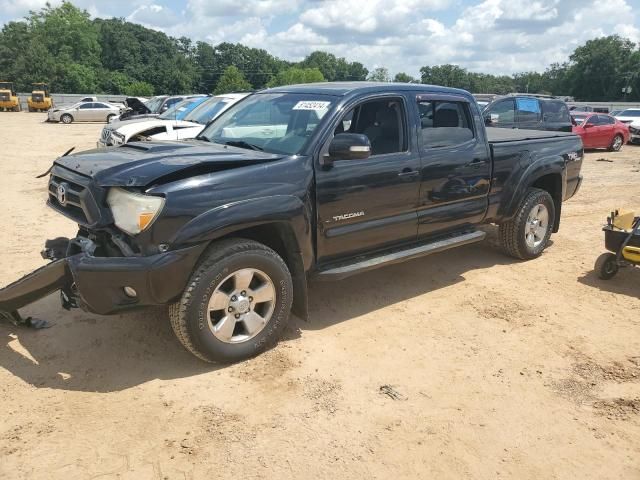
<point>369,263</point>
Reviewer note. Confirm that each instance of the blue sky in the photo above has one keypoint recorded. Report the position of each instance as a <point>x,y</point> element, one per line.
<point>493,36</point>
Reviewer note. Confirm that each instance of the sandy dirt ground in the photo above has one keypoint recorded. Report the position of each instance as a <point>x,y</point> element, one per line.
<point>466,364</point>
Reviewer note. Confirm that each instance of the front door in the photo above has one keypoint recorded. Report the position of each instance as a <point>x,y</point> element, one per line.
<point>365,205</point>
<point>501,114</point>
<point>456,164</point>
<point>84,112</point>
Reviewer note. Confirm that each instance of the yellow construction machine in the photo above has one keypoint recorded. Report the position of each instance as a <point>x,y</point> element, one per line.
<point>40,99</point>
<point>9,100</point>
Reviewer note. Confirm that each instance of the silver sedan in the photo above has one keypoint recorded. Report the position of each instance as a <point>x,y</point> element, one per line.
<point>84,112</point>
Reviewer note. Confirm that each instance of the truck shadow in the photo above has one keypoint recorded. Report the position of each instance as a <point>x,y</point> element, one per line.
<point>84,352</point>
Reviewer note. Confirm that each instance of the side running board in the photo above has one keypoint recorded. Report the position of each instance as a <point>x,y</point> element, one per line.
<point>364,264</point>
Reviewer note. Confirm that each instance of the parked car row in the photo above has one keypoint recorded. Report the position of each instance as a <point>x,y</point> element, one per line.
<point>173,124</point>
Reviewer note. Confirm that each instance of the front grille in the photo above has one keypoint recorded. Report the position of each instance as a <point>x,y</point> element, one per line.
<point>71,195</point>
<point>105,136</point>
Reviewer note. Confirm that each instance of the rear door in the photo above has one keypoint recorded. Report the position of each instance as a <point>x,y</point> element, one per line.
<point>528,113</point>
<point>607,129</point>
<point>370,204</point>
<point>100,112</point>
<point>455,164</point>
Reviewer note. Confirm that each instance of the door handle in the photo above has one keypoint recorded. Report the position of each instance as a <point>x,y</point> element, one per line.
<point>407,172</point>
<point>476,163</point>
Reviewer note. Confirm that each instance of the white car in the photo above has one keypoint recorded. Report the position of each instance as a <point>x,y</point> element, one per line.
<point>634,132</point>
<point>166,128</point>
<point>83,112</point>
<point>629,115</point>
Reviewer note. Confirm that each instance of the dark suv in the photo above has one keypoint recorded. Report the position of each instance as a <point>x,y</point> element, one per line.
<point>529,113</point>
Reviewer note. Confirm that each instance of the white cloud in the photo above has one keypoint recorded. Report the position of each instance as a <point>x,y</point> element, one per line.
<point>493,36</point>
<point>153,15</point>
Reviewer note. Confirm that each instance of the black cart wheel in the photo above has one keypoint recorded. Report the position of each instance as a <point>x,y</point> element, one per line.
<point>236,303</point>
<point>606,266</point>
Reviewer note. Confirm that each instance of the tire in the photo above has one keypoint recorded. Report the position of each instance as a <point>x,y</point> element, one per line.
<point>616,144</point>
<point>66,119</point>
<point>200,328</point>
<point>515,234</point>
<point>606,266</point>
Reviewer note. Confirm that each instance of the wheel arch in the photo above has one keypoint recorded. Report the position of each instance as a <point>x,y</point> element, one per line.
<point>282,223</point>
<point>549,177</point>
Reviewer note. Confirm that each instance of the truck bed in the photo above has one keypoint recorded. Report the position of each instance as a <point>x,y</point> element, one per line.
<point>502,135</point>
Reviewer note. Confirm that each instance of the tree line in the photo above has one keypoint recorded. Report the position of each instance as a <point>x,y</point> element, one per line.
<point>76,54</point>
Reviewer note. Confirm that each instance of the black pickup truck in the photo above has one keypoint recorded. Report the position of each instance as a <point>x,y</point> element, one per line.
<point>311,181</point>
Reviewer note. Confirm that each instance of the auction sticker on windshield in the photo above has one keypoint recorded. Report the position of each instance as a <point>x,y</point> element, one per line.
<point>311,105</point>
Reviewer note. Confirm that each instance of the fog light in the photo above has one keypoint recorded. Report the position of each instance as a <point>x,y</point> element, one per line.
<point>130,292</point>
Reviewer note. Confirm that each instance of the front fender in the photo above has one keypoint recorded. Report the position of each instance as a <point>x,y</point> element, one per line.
<point>226,219</point>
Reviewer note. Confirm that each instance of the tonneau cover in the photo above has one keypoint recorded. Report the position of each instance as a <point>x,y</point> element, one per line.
<point>501,135</point>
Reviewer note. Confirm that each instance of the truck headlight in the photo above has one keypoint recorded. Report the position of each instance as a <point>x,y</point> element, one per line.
<point>133,212</point>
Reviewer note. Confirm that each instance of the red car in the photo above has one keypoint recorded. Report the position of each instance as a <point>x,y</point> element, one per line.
<point>599,130</point>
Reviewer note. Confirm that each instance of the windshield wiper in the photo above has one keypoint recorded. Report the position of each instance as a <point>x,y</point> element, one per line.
<point>243,144</point>
<point>203,138</point>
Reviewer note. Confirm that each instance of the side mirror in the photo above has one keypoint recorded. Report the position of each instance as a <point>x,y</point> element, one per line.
<point>348,146</point>
<point>491,118</point>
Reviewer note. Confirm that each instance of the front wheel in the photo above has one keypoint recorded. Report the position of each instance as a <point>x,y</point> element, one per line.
<point>606,266</point>
<point>616,143</point>
<point>236,303</point>
<point>527,234</point>
<point>66,118</point>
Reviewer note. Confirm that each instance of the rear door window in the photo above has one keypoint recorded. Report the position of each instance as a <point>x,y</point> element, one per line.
<point>528,110</point>
<point>444,123</point>
<point>606,120</point>
<point>556,112</point>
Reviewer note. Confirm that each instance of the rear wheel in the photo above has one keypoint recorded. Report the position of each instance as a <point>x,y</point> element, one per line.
<point>606,266</point>
<point>236,304</point>
<point>527,234</point>
<point>66,118</point>
<point>616,143</point>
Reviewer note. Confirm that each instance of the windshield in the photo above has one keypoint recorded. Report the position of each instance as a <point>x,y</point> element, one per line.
<point>207,111</point>
<point>179,108</point>
<point>154,104</point>
<point>273,122</point>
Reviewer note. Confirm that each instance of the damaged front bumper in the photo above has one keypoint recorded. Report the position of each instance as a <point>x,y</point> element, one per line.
<point>103,285</point>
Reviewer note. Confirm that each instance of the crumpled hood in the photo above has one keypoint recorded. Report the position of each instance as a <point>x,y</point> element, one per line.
<point>139,164</point>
